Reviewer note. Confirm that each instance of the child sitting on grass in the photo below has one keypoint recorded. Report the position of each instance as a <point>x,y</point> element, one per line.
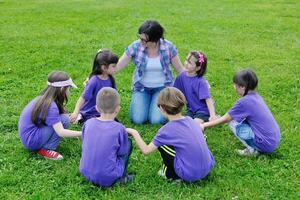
<point>181,142</point>
<point>43,121</point>
<point>105,144</point>
<point>195,87</point>
<point>104,67</point>
<point>250,118</point>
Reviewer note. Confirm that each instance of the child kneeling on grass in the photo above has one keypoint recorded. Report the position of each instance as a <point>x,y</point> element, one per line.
<point>181,142</point>
<point>43,121</point>
<point>105,144</point>
<point>250,118</point>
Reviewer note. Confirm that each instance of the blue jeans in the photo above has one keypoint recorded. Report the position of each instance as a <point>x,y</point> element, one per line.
<point>200,115</point>
<point>143,106</point>
<point>125,157</point>
<point>50,139</point>
<point>244,133</point>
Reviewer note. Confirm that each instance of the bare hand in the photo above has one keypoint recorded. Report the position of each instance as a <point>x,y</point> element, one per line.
<point>86,81</point>
<point>73,117</point>
<point>213,117</point>
<point>131,131</point>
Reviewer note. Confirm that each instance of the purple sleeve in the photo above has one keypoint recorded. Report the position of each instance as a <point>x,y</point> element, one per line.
<point>161,138</point>
<point>53,115</point>
<point>203,90</point>
<point>89,89</point>
<point>177,83</point>
<point>237,112</point>
<point>123,141</point>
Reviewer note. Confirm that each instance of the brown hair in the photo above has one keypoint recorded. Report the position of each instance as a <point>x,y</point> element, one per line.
<point>107,100</point>
<point>171,100</point>
<point>202,64</point>
<point>48,95</point>
<point>246,78</point>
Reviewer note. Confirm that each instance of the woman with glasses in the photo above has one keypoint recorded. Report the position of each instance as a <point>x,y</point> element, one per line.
<point>152,56</point>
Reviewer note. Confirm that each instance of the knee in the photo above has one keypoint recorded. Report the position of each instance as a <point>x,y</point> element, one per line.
<point>156,119</point>
<point>137,120</point>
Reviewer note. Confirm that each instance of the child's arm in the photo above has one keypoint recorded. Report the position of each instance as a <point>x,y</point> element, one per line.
<point>62,132</point>
<point>177,64</point>
<point>75,113</point>
<point>145,149</point>
<point>123,62</point>
<point>211,109</point>
<point>222,120</point>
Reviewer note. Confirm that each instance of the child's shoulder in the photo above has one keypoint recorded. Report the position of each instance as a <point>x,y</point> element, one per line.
<point>111,126</point>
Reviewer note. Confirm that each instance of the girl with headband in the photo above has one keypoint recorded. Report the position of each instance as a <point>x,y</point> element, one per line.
<point>43,121</point>
<point>196,88</point>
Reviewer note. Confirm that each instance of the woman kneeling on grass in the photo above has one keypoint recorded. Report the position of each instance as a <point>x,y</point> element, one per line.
<point>250,118</point>
<point>181,142</point>
<point>42,122</point>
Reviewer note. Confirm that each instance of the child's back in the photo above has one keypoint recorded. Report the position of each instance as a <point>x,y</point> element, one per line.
<point>103,144</point>
<point>193,160</point>
<point>91,89</point>
<point>257,114</point>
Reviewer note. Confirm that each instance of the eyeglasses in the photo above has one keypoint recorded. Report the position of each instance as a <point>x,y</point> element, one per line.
<point>142,39</point>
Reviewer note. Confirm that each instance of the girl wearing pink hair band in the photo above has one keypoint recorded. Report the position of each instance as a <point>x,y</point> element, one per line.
<point>43,121</point>
<point>196,88</point>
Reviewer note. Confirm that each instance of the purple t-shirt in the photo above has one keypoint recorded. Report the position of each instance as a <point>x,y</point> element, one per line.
<point>266,130</point>
<point>195,90</point>
<point>89,94</point>
<point>103,144</point>
<point>193,160</point>
<point>30,134</point>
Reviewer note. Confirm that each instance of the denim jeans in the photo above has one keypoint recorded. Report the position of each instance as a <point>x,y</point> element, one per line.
<point>244,133</point>
<point>143,106</point>
<point>125,157</point>
<point>50,139</point>
<point>199,115</point>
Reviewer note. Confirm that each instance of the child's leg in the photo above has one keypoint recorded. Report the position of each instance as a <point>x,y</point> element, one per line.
<point>139,106</point>
<point>244,133</point>
<point>155,116</point>
<point>204,117</point>
<point>168,154</point>
<point>50,139</point>
<point>126,156</point>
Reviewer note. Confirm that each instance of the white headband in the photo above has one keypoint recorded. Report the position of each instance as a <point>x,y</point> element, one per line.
<point>62,83</point>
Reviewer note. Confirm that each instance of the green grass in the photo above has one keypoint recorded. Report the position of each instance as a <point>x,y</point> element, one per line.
<point>40,36</point>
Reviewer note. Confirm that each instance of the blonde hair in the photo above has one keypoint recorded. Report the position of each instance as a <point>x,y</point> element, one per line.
<point>107,100</point>
<point>171,100</point>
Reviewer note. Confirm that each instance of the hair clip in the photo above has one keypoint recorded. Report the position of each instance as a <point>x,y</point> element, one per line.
<point>200,57</point>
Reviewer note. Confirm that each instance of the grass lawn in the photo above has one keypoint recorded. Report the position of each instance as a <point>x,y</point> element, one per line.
<point>37,37</point>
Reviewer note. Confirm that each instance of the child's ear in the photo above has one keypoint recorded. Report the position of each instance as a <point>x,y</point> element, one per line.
<point>118,108</point>
<point>103,67</point>
<point>97,109</point>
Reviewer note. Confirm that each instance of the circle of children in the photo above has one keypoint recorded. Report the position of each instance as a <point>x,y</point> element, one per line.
<point>106,147</point>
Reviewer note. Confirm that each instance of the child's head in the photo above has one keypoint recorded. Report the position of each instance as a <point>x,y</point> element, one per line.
<point>57,90</point>
<point>104,63</point>
<point>244,81</point>
<point>108,100</point>
<point>196,62</point>
<point>171,100</point>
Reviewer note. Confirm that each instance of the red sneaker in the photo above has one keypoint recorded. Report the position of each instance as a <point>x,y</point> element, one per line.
<point>49,154</point>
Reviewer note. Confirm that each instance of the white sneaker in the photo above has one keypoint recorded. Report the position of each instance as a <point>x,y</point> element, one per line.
<point>161,173</point>
<point>248,152</point>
